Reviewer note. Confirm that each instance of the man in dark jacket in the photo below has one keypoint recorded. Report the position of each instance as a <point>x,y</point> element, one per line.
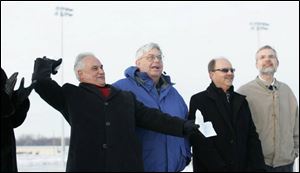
<point>102,118</point>
<point>14,107</point>
<point>236,147</point>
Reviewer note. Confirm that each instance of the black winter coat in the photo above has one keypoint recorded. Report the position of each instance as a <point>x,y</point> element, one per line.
<point>103,129</point>
<point>11,117</point>
<point>236,146</point>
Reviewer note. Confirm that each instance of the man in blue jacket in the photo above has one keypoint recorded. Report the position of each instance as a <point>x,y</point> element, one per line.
<point>161,152</point>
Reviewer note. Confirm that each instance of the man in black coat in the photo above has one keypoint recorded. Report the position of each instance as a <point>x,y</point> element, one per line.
<point>102,118</point>
<point>236,147</point>
<point>14,107</point>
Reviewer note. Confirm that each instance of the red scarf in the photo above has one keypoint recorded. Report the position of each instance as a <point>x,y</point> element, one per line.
<point>105,91</point>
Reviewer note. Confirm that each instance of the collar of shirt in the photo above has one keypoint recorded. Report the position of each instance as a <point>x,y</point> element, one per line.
<point>266,81</point>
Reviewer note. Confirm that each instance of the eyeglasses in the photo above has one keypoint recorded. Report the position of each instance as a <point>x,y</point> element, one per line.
<point>224,70</point>
<point>152,57</point>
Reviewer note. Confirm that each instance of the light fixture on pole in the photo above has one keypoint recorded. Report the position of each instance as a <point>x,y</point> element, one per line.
<point>258,26</point>
<point>63,12</point>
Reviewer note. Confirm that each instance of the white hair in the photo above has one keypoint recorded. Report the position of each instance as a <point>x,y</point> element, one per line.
<point>78,62</point>
<point>146,48</point>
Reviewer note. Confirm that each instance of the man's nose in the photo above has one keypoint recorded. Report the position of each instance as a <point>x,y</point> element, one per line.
<point>230,73</point>
<point>156,59</point>
<point>101,71</point>
<point>269,58</point>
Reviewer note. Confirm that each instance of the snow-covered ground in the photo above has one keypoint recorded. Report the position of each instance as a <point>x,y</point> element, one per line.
<point>44,163</point>
<point>40,159</point>
<point>49,159</point>
<point>46,159</point>
<point>39,163</point>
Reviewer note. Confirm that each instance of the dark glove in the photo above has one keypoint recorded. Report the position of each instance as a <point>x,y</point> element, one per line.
<point>189,128</point>
<point>10,84</point>
<point>55,64</point>
<point>22,93</point>
<point>43,67</point>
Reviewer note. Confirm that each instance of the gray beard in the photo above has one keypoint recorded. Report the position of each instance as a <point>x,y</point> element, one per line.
<point>267,71</point>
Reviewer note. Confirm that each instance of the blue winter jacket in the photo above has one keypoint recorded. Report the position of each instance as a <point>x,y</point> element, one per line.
<point>160,152</point>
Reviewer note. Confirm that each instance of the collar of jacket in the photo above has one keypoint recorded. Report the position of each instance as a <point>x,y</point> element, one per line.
<point>95,90</point>
<point>220,91</point>
<point>215,93</point>
<point>265,86</point>
<point>144,80</point>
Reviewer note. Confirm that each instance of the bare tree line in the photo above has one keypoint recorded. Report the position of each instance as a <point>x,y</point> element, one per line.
<point>29,140</point>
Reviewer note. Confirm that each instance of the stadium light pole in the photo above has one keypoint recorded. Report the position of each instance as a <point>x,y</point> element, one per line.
<point>258,26</point>
<point>63,12</point>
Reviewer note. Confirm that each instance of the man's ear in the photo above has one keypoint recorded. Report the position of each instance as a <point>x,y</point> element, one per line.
<point>137,62</point>
<point>256,65</point>
<point>79,73</point>
<point>210,75</point>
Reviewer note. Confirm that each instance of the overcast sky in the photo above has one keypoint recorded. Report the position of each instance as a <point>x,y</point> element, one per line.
<point>189,33</point>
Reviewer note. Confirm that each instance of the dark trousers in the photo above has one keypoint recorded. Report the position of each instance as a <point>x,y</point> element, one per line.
<point>284,168</point>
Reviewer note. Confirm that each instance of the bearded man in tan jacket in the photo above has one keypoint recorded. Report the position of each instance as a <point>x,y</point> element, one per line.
<point>275,113</point>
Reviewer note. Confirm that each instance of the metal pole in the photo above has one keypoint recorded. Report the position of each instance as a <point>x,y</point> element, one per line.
<point>258,39</point>
<point>62,49</point>
<point>62,11</point>
<point>259,26</point>
<point>63,148</point>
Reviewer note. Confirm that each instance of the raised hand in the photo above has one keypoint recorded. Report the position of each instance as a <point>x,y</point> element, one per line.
<point>22,93</point>
<point>55,64</point>
<point>43,67</point>
<point>10,84</point>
